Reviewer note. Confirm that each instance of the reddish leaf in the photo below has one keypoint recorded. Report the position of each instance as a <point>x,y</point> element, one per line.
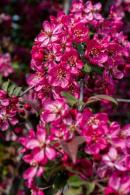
<point>71,147</point>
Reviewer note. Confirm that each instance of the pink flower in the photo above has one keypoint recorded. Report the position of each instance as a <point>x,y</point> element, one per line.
<point>120,184</point>
<point>94,132</point>
<point>36,80</point>
<point>54,110</point>
<point>96,53</point>
<point>5,64</point>
<point>8,110</point>
<point>49,35</point>
<point>77,6</point>
<point>40,146</point>
<point>109,191</point>
<point>73,62</point>
<point>7,117</point>
<point>59,76</point>
<point>92,11</point>
<point>114,159</point>
<point>4,101</point>
<point>79,33</point>
<point>65,43</point>
<point>115,52</point>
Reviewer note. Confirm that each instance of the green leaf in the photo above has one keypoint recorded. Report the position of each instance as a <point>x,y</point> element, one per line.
<point>90,187</point>
<point>80,48</point>
<point>60,180</point>
<point>87,68</point>
<point>17,91</point>
<point>73,191</point>
<point>11,89</point>
<point>15,65</point>
<point>5,85</point>
<point>100,98</point>
<point>75,181</point>
<point>70,98</point>
<point>97,69</point>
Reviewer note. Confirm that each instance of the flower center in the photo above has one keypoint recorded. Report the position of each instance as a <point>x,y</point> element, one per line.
<point>61,74</point>
<point>78,33</point>
<point>94,52</point>
<point>71,61</point>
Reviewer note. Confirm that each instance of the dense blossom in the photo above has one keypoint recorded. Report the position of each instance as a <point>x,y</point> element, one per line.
<point>65,134</point>
<point>76,56</point>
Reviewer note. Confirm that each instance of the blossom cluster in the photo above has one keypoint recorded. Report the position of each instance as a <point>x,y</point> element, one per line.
<point>17,32</point>
<point>75,56</point>
<point>105,142</point>
<point>69,142</point>
<point>69,42</point>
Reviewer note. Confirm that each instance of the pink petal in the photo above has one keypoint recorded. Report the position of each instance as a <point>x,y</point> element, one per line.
<point>28,158</point>
<point>41,134</point>
<point>40,171</point>
<point>97,6</point>
<point>54,38</point>
<point>33,143</point>
<point>45,42</point>
<point>47,26</point>
<point>113,153</point>
<point>114,182</point>
<point>5,126</point>
<point>57,29</point>
<point>39,155</point>
<point>48,117</point>
<point>5,102</point>
<point>13,121</point>
<point>50,153</point>
<point>30,173</point>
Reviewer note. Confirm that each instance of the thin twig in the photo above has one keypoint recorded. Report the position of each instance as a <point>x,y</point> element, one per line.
<point>46,187</point>
<point>123,100</point>
<point>81,93</point>
<point>28,89</point>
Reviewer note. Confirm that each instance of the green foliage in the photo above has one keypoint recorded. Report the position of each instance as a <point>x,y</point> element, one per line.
<point>96,98</point>
<point>87,68</point>
<point>73,191</point>
<point>90,187</point>
<point>77,184</point>
<point>80,48</point>
<point>11,88</point>
<point>75,181</point>
<point>71,99</point>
